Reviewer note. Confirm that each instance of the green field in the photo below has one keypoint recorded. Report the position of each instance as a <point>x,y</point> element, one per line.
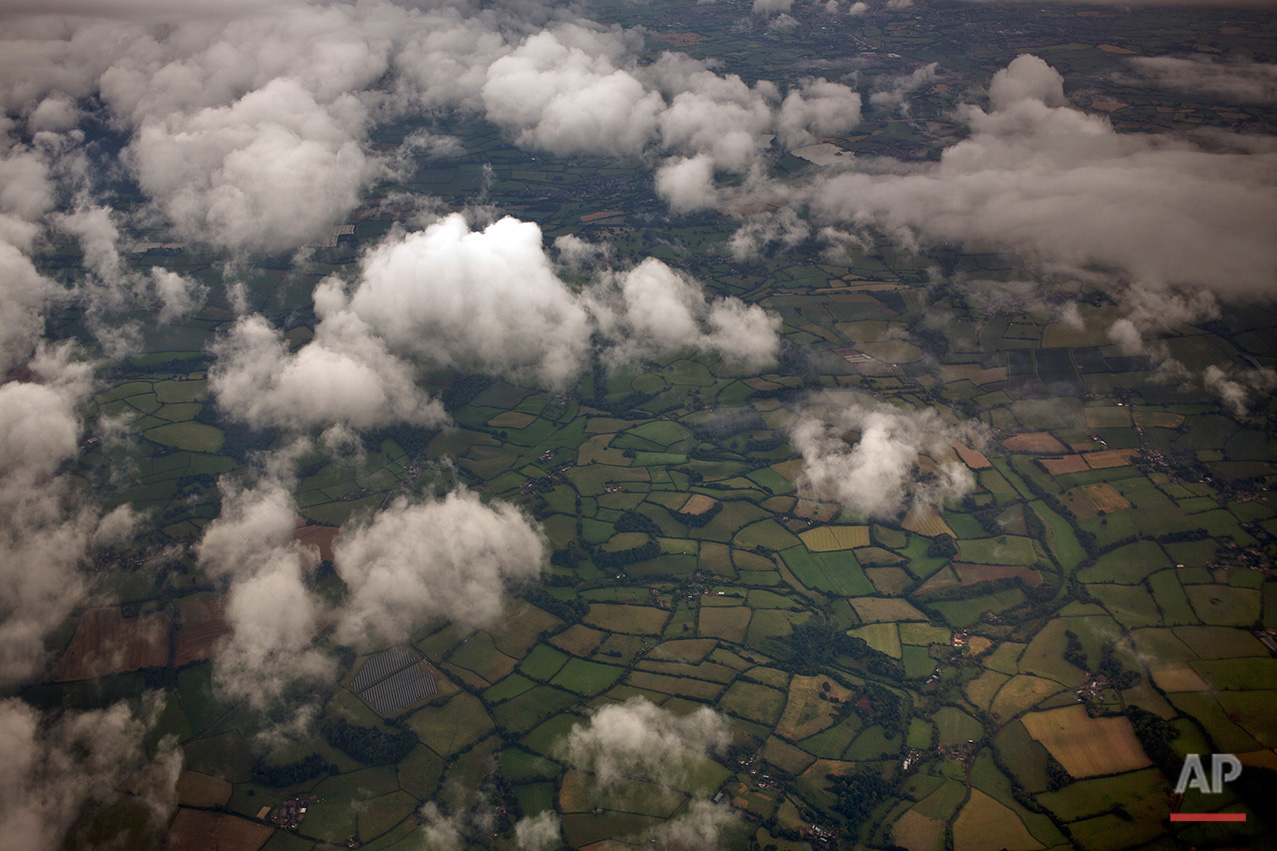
<point>587,678</point>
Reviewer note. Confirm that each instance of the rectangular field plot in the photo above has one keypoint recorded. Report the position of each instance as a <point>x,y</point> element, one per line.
<point>1085,746</point>
<point>106,642</point>
<point>835,572</point>
<point>1005,549</point>
<point>828,538</point>
<point>197,829</point>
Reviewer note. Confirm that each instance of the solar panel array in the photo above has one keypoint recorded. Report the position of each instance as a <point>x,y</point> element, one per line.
<point>382,665</point>
<point>411,685</point>
<point>390,681</point>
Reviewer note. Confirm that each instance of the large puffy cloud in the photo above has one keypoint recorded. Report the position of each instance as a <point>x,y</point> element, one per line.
<point>698,828</point>
<point>574,89</point>
<point>486,301</point>
<point>271,171</point>
<point>893,92</point>
<point>538,833</point>
<point>26,195</point>
<point>687,183</point>
<point>24,293</point>
<point>451,557</point>
<point>760,231</point>
<point>1240,82</point>
<point>720,118</point>
<point>652,309</point>
<point>491,301</point>
<point>1065,191</point>
<point>866,455</point>
<point>250,131</point>
<point>54,767</point>
<point>640,740</point>
<point>244,130</point>
<point>570,97</point>
<point>343,377</point>
<point>1236,388</point>
<point>273,614</point>
<point>817,108</point>
<point>46,532</point>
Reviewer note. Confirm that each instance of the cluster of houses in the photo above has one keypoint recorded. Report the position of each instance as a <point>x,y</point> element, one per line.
<point>290,813</point>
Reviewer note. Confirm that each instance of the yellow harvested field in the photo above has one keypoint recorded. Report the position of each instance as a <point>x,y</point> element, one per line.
<point>985,823</point>
<point>1104,497</point>
<point>1021,693</point>
<point>1113,48</point>
<point>681,686</point>
<point>925,520</point>
<point>1157,419</point>
<point>785,755</point>
<point>1064,466</point>
<point>760,384</point>
<point>601,215</point>
<point>729,624</point>
<point>982,689</point>
<point>1109,458</point>
<point>892,351</point>
<point>917,832</point>
<point>1178,677</point>
<point>1108,105</point>
<point>1035,442</point>
<point>824,539</point>
<point>885,609</point>
<point>972,372</point>
<point>973,458</point>
<point>1105,416</point>
<point>596,451</point>
<point>978,644</point>
<point>512,419</point>
<point>821,512</point>
<point>888,580</point>
<point>805,713</point>
<point>521,627</point>
<point>697,504</point>
<point>1087,747</point>
<point>636,620</point>
<point>578,640</point>
<point>789,469</point>
<point>578,793</point>
<point>816,775</point>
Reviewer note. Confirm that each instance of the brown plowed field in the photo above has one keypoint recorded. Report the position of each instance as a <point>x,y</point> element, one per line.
<point>106,642</point>
<point>1037,442</point>
<point>203,623</point>
<point>319,536</point>
<point>1064,466</point>
<point>197,830</point>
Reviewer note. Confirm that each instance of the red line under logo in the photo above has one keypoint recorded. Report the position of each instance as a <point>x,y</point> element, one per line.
<point>1208,816</point>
